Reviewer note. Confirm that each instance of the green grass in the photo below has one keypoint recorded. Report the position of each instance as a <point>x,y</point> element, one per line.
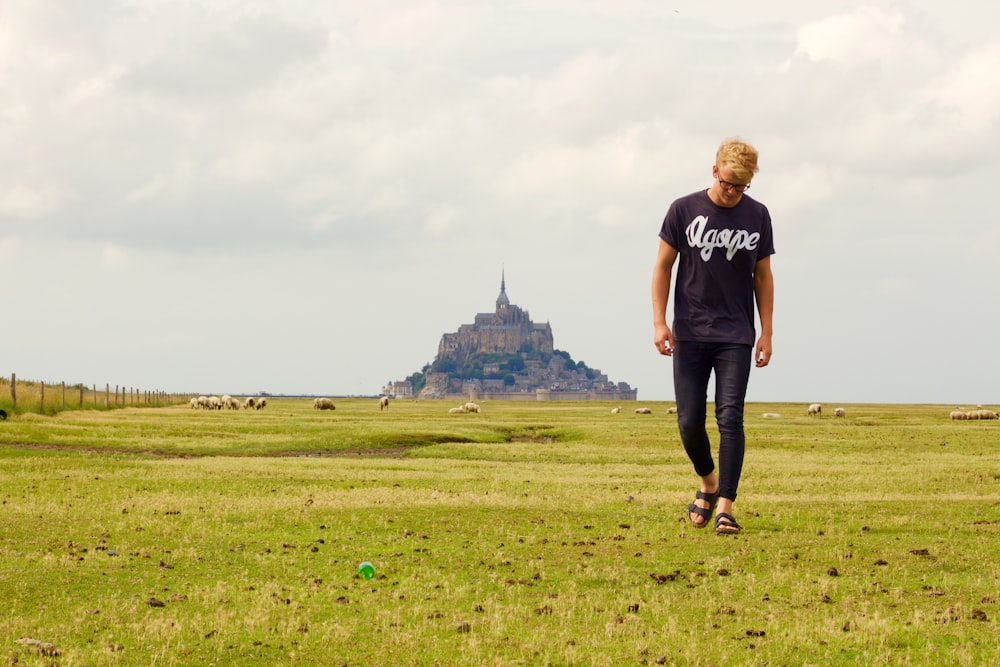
<point>531,534</point>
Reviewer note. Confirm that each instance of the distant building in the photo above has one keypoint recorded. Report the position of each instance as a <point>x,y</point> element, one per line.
<point>504,355</point>
<point>505,331</point>
<point>398,389</point>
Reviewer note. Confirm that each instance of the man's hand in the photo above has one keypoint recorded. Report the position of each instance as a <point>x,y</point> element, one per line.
<point>663,339</point>
<point>763,352</point>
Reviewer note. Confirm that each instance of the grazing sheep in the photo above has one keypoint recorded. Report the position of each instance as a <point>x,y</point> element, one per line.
<point>471,407</point>
<point>815,409</point>
<point>323,404</point>
<point>959,414</point>
<point>672,410</point>
<point>383,403</point>
<point>230,403</point>
<point>456,411</point>
<point>194,403</point>
<point>203,402</point>
<point>839,412</point>
<point>249,403</point>
<point>771,415</point>
<point>261,403</point>
<point>214,403</point>
<point>643,411</point>
<point>616,410</point>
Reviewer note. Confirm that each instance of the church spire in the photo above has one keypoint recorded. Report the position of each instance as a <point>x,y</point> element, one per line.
<point>502,300</point>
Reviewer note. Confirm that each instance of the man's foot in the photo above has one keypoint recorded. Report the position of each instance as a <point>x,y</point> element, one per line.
<point>725,524</point>
<point>700,511</point>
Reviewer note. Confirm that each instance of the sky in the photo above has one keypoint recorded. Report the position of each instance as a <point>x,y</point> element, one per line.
<point>237,196</point>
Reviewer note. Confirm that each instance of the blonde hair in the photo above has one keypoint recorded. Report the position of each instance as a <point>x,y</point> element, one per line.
<point>740,156</point>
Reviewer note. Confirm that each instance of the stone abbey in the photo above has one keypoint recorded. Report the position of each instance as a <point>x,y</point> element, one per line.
<point>504,355</point>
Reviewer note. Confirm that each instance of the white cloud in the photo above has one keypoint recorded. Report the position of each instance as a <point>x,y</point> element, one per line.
<point>444,218</point>
<point>868,33</point>
<point>115,258</point>
<point>970,89</point>
<point>28,202</point>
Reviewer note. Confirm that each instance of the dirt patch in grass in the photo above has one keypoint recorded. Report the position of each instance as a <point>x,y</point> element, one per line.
<point>366,452</point>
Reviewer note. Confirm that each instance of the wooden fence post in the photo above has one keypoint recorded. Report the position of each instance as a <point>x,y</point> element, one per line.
<point>13,392</point>
<point>81,396</point>
<point>41,398</point>
<point>64,394</point>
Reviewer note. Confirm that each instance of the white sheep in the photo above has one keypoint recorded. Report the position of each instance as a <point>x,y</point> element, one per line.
<point>959,414</point>
<point>323,404</point>
<point>261,403</point>
<point>471,407</point>
<point>456,411</point>
<point>839,412</point>
<point>249,403</point>
<point>383,403</point>
<point>616,410</point>
<point>771,415</point>
<point>643,411</point>
<point>815,409</point>
<point>672,410</point>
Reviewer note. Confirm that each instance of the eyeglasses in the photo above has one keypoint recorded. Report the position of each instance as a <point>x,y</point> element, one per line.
<point>726,185</point>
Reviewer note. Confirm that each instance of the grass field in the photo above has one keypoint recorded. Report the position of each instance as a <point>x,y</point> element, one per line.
<point>530,534</point>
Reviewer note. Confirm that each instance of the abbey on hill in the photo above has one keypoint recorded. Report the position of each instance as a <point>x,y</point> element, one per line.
<point>504,355</point>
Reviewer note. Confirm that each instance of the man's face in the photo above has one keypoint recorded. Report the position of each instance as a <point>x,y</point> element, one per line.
<point>728,189</point>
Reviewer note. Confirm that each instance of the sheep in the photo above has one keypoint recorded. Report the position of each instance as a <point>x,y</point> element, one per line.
<point>959,414</point>
<point>839,412</point>
<point>3,415</point>
<point>261,403</point>
<point>194,403</point>
<point>249,403</point>
<point>672,410</point>
<point>203,402</point>
<point>323,404</point>
<point>771,415</point>
<point>383,403</point>
<point>230,403</point>
<point>471,407</point>
<point>643,411</point>
<point>456,411</point>
<point>616,410</point>
<point>815,409</point>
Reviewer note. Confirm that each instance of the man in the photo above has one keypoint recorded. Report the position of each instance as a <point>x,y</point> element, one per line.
<point>721,241</point>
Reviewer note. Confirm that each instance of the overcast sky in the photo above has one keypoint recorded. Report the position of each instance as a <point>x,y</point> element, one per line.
<point>302,197</point>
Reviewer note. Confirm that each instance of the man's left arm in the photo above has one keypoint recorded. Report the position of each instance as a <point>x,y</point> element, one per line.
<point>763,289</point>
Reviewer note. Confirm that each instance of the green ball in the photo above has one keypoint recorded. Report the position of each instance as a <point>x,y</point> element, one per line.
<point>366,570</point>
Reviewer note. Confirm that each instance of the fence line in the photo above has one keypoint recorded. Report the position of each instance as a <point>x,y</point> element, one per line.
<point>31,396</point>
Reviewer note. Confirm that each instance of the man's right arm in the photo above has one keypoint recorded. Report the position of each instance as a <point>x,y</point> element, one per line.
<point>663,338</point>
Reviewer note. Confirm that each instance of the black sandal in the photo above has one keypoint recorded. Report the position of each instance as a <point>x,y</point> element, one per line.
<point>705,514</point>
<point>725,524</point>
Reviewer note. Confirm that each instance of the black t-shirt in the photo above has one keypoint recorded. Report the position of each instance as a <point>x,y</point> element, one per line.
<point>718,249</point>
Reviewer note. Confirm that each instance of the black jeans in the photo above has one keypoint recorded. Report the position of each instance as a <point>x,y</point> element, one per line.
<point>693,363</point>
